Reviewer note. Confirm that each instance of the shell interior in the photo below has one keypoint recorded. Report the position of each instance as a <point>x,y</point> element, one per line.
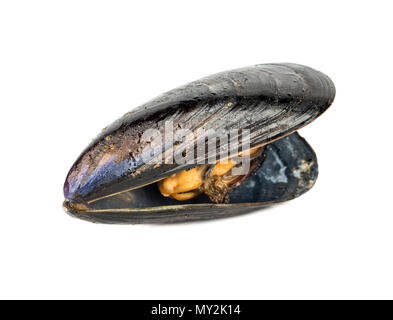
<point>289,170</point>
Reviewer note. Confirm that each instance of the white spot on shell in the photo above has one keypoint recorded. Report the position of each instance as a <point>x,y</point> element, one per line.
<point>279,175</point>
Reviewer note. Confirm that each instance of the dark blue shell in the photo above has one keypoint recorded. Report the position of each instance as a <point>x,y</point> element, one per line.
<point>271,101</point>
<point>289,170</point>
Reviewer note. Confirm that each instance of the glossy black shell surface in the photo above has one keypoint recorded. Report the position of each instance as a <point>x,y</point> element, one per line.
<point>270,100</point>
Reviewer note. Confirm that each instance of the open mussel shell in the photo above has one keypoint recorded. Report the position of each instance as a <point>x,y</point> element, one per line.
<point>112,182</point>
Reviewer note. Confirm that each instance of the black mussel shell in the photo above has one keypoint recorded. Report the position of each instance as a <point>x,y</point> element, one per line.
<point>271,101</point>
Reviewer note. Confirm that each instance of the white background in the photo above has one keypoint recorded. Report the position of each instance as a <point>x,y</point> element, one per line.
<point>69,68</point>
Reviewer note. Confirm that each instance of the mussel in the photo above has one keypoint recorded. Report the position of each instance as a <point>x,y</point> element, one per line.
<point>220,146</point>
